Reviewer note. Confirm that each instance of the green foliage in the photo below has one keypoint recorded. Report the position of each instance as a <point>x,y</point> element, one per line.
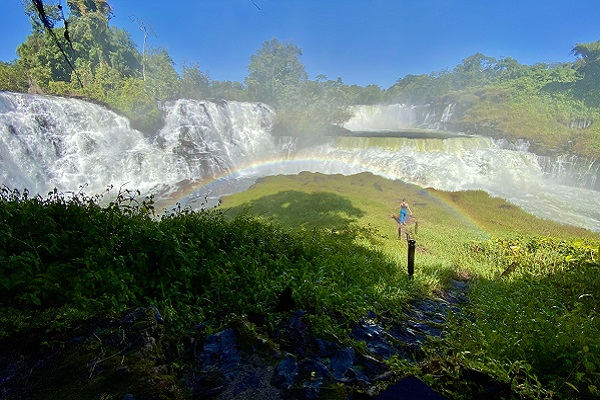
<point>516,324</point>
<point>194,83</point>
<point>531,323</point>
<point>116,256</point>
<point>536,304</point>
<point>274,71</point>
<point>13,77</point>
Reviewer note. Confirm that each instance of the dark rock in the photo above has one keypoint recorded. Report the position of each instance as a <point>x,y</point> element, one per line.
<point>286,372</point>
<point>410,388</point>
<point>407,335</point>
<point>220,352</point>
<point>247,383</point>
<point>157,315</point>
<point>374,337</point>
<point>426,329</point>
<point>207,384</point>
<point>341,362</point>
<point>324,348</point>
<point>285,302</point>
<point>373,368</point>
<point>298,333</point>
<point>314,369</point>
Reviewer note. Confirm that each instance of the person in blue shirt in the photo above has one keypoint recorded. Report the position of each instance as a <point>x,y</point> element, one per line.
<point>404,210</point>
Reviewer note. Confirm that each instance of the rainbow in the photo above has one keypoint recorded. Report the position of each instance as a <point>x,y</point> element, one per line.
<point>289,165</point>
<point>292,165</point>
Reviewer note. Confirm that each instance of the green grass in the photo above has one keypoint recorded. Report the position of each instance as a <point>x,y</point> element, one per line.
<point>534,283</point>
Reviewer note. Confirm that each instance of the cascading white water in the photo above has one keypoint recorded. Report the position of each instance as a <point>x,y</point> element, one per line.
<point>48,142</point>
<point>460,164</point>
<point>51,142</point>
<point>206,139</point>
<point>397,117</point>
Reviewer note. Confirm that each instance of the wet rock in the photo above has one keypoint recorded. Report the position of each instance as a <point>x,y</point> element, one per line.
<point>298,333</point>
<point>157,315</point>
<point>325,348</point>
<point>375,337</point>
<point>341,362</point>
<point>314,369</point>
<point>343,370</point>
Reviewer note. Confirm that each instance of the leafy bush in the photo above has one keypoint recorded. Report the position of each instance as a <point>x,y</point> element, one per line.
<point>69,250</point>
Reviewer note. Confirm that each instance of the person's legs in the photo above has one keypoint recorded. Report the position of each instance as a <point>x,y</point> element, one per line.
<point>402,216</point>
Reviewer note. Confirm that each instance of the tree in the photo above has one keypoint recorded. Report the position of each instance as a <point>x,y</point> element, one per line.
<point>588,65</point>
<point>13,77</point>
<point>194,83</point>
<point>275,71</point>
<point>228,90</point>
<point>475,70</point>
<point>38,56</point>
<point>371,94</point>
<point>161,75</point>
<point>147,30</point>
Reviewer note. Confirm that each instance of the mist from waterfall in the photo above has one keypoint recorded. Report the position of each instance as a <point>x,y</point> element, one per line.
<point>48,142</point>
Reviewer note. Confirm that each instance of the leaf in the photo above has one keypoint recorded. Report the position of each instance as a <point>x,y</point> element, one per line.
<point>572,386</point>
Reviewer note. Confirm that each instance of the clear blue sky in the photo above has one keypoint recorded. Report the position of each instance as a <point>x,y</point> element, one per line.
<point>363,42</point>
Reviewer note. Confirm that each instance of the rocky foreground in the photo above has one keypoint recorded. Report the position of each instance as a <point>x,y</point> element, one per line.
<point>131,358</point>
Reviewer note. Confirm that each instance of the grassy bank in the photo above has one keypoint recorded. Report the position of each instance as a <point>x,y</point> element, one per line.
<point>534,283</point>
<point>329,239</point>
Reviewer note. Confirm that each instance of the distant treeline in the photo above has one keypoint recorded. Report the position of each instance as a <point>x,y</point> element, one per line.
<point>554,106</point>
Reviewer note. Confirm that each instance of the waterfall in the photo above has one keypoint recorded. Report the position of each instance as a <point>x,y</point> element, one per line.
<point>398,117</point>
<point>51,142</point>
<point>572,170</point>
<point>462,163</point>
<point>48,142</point>
<point>205,138</point>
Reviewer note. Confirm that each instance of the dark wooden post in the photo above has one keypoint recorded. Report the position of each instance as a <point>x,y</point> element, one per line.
<point>400,231</point>
<point>411,257</point>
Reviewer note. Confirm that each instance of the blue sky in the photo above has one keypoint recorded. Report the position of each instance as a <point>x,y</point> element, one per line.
<point>363,42</point>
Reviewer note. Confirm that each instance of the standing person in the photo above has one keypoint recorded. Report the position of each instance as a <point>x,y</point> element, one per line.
<point>404,209</point>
